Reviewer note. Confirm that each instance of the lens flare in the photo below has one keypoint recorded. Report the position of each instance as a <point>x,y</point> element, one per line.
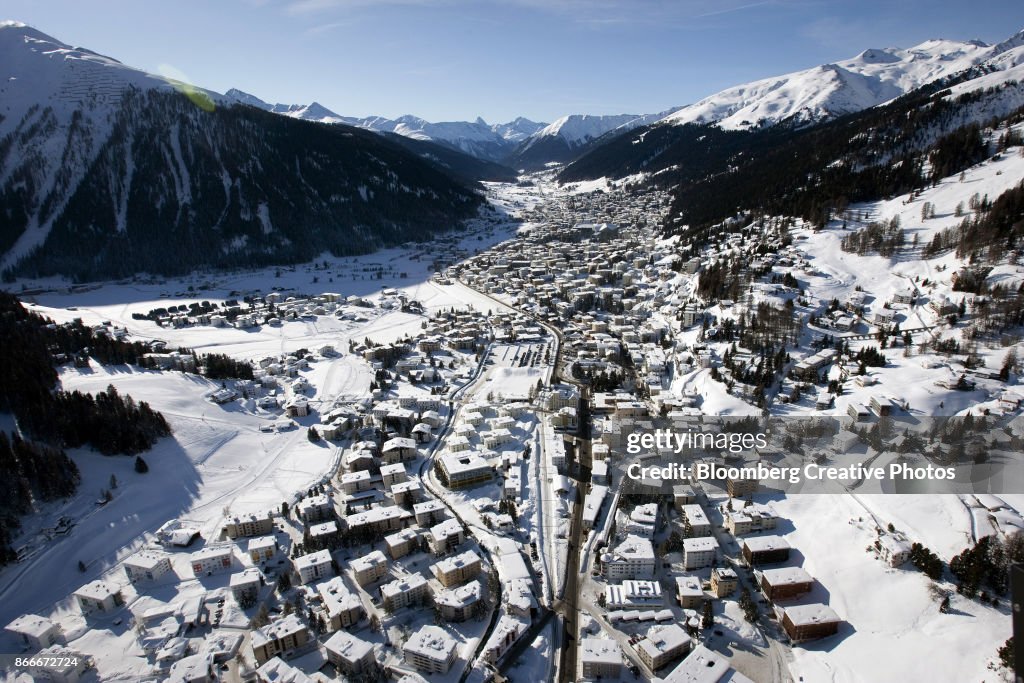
<point>179,81</point>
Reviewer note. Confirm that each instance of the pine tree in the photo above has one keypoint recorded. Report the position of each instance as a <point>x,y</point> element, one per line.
<point>708,619</point>
<point>140,465</point>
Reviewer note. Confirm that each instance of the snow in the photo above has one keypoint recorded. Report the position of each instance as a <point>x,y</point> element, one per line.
<point>871,78</point>
<point>46,82</point>
<point>887,608</point>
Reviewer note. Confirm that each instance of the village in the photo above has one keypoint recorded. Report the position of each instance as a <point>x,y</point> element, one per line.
<point>473,519</point>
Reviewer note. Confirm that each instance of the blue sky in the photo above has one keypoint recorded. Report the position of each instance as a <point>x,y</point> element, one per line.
<point>459,59</point>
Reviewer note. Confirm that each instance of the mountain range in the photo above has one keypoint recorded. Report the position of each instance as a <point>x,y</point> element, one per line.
<point>873,77</point>
<point>108,170</point>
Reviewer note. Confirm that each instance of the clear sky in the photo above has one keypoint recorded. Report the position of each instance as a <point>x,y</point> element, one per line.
<point>459,59</point>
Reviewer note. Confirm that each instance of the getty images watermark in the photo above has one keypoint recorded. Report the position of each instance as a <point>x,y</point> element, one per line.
<point>824,455</point>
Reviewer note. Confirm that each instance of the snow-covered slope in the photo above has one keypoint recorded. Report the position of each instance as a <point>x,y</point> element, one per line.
<point>106,169</point>
<point>579,129</point>
<point>72,93</point>
<point>871,78</point>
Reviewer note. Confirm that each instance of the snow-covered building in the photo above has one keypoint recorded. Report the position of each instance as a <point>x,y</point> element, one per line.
<point>393,474</point>
<point>705,666</point>
<point>458,604</point>
<point>252,524</point>
<point>724,581</point>
<point>369,567</point>
<point>211,560</point>
<point>262,549</point>
<point>411,589</point>
<point>98,596</point>
<point>689,591</point>
<point>343,608</point>
<point>35,632</point>
<point>245,586</point>
<point>785,582</point>
<point>146,566</point>
<point>765,550</point>
<point>314,509</point>
<point>445,536</point>
<point>810,622</point>
<point>350,655</point>
<point>429,512</point>
<point>314,566</point>
<point>600,658</point>
<point>463,470</point>
<point>287,633</point>
<point>457,569</point>
<point>753,517</point>
<point>695,521</point>
<point>401,543</point>
<point>699,552</point>
<point>430,649</point>
<point>894,550</point>
<point>661,645</point>
<point>631,559</point>
<point>378,521</point>
<point>397,450</point>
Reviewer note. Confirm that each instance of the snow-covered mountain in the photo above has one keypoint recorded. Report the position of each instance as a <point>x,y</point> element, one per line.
<point>478,138</point>
<point>307,112</point>
<point>871,78</point>
<point>109,170</point>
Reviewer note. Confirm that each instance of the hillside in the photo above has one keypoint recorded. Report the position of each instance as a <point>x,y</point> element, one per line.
<point>146,174</point>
